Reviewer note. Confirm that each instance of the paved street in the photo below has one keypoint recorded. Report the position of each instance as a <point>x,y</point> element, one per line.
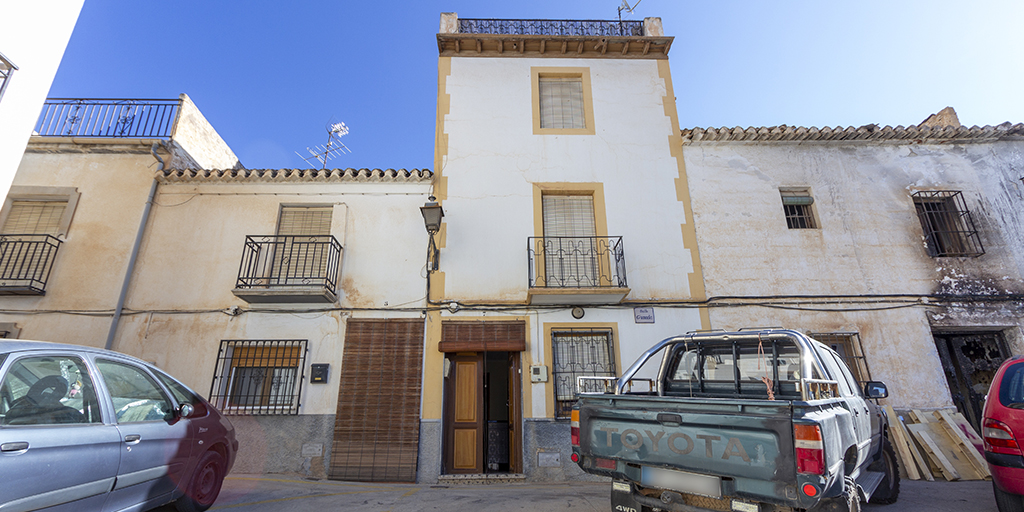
<point>266,493</point>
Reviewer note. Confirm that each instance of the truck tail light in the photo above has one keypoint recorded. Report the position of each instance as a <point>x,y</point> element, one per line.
<point>999,438</point>
<point>574,427</point>
<point>810,452</point>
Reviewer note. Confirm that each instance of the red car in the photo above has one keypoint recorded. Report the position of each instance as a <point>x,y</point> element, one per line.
<point>1002,427</point>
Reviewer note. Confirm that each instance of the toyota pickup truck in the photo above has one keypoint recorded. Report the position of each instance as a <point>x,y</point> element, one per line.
<point>758,421</point>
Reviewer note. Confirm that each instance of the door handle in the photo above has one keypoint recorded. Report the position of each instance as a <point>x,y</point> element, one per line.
<point>13,447</point>
<point>132,438</point>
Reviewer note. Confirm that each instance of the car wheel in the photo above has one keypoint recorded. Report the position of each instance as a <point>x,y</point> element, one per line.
<point>889,488</point>
<point>1007,502</point>
<point>205,485</point>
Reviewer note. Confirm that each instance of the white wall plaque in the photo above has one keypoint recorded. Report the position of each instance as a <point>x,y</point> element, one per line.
<point>643,315</point>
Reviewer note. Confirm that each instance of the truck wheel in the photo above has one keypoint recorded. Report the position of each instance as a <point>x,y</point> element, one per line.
<point>889,488</point>
<point>849,501</point>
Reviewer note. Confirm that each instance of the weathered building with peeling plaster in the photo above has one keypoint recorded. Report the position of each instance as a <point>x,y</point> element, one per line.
<point>903,246</point>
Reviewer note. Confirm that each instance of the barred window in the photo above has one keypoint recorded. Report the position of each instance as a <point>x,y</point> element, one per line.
<point>947,224</point>
<point>796,203</point>
<point>579,352</point>
<point>259,376</point>
<point>849,347</point>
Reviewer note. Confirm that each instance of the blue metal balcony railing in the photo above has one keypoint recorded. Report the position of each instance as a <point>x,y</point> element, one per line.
<point>278,261</point>
<point>552,27</point>
<point>25,263</point>
<point>576,262</point>
<point>108,118</point>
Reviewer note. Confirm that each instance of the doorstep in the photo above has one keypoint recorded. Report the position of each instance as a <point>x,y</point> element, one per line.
<point>482,478</point>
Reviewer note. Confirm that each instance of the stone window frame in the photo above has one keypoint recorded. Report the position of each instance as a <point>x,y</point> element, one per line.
<point>583,73</point>
<point>70,195</point>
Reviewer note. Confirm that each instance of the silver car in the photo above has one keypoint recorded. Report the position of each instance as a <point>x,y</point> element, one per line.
<point>89,429</point>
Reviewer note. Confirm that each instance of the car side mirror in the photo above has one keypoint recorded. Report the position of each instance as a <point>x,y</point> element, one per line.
<point>185,410</point>
<point>875,389</point>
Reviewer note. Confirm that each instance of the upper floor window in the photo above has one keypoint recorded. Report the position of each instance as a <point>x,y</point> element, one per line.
<point>562,101</point>
<point>31,220</point>
<point>796,203</point>
<point>947,224</point>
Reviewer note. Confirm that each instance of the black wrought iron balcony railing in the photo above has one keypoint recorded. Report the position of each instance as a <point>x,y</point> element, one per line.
<point>552,27</point>
<point>576,262</point>
<point>26,262</point>
<point>289,264</point>
<point>107,118</point>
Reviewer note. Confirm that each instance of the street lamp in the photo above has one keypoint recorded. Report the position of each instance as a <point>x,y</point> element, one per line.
<point>432,214</point>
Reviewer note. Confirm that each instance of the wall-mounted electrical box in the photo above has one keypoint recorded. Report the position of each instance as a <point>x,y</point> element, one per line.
<point>538,373</point>
<point>318,373</point>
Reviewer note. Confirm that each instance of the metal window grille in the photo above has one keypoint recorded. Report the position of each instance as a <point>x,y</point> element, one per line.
<point>259,377</point>
<point>561,102</point>
<point>579,352</point>
<point>948,227</point>
<point>850,348</point>
<point>797,206</point>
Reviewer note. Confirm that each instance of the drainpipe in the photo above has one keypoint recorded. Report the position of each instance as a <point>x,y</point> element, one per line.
<point>135,251</point>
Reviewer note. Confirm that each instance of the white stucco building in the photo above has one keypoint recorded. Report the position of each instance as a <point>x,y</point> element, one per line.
<point>559,167</point>
<point>900,246</point>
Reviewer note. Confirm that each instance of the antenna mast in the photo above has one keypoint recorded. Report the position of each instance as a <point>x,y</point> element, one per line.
<point>324,152</point>
<point>625,7</point>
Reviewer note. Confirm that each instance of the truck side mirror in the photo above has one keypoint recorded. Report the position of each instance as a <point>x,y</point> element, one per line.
<point>875,389</point>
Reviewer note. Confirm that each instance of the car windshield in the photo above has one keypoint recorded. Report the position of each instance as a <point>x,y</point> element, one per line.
<point>1011,388</point>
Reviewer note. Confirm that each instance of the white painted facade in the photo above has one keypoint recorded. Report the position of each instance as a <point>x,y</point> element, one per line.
<point>492,168</point>
<point>864,268</point>
<point>34,37</point>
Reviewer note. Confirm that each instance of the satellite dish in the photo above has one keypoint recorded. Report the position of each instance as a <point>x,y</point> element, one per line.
<point>323,152</point>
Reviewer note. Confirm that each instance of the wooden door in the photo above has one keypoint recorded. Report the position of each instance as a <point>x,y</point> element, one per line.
<point>464,425</point>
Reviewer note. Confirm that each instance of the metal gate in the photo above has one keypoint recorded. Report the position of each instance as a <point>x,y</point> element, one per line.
<point>970,360</point>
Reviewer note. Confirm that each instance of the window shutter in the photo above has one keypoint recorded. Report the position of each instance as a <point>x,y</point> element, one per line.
<point>561,102</point>
<point>34,218</point>
<point>305,221</point>
<point>568,216</point>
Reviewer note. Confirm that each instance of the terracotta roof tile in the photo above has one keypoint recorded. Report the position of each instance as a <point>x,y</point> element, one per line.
<point>868,133</point>
<point>294,175</point>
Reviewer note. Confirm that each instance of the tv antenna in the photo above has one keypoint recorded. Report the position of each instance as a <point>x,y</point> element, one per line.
<point>625,7</point>
<point>324,152</point>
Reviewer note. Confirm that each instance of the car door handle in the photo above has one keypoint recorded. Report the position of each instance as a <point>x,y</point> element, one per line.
<point>13,447</point>
<point>132,438</point>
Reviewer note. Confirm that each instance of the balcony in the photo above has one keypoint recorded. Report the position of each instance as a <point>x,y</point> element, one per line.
<point>108,118</point>
<point>576,270</point>
<point>26,262</point>
<point>552,27</point>
<point>474,37</point>
<point>289,269</point>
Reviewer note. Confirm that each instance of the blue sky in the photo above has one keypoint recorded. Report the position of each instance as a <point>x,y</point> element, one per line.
<point>269,75</point>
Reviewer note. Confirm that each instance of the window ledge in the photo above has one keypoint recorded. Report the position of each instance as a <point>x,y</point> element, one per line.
<point>287,294</point>
<point>595,295</point>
